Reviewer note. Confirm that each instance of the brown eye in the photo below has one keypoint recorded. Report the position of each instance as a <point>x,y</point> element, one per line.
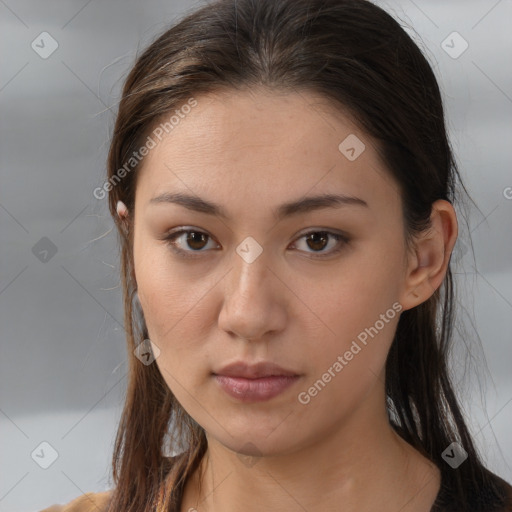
<point>195,239</point>
<point>319,240</point>
<point>190,241</point>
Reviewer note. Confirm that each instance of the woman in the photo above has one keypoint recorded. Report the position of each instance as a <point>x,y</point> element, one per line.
<point>283,187</point>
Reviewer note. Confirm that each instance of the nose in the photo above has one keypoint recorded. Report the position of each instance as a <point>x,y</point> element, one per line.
<point>255,301</point>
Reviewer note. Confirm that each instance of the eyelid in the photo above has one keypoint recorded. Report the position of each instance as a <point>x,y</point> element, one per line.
<point>341,237</point>
<point>180,231</point>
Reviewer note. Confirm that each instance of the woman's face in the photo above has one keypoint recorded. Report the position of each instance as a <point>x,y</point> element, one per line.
<point>269,283</point>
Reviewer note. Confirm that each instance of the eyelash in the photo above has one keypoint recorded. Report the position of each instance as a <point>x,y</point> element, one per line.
<point>170,240</point>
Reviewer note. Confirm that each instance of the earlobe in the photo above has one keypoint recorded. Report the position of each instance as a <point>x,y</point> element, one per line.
<point>429,263</point>
<point>122,213</point>
<point>122,210</point>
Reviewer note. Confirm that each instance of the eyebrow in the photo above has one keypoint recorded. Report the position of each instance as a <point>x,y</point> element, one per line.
<point>303,205</point>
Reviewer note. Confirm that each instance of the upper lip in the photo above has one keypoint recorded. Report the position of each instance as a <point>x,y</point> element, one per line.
<point>254,371</point>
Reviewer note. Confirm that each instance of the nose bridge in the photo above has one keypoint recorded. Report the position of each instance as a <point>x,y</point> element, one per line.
<point>250,263</point>
<point>249,276</point>
<point>251,305</point>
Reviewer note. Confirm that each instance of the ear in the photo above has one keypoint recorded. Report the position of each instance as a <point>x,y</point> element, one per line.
<point>428,262</point>
<point>123,214</point>
<point>122,210</point>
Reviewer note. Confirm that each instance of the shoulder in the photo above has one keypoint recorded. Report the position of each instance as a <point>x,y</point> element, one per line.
<point>488,493</point>
<point>505,493</point>
<point>89,502</point>
<point>495,493</point>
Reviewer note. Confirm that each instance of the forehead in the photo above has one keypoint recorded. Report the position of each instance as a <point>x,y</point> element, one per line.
<point>261,144</point>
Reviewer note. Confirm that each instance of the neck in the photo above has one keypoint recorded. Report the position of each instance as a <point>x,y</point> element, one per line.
<point>362,464</point>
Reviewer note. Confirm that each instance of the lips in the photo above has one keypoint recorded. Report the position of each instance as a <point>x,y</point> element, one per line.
<point>254,383</point>
<point>254,371</point>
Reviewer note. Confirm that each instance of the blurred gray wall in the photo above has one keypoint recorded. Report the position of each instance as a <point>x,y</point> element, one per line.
<point>62,354</point>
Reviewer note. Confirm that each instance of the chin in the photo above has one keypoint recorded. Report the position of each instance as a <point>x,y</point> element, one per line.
<point>248,443</point>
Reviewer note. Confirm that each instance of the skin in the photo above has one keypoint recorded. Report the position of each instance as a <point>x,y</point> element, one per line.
<point>250,152</point>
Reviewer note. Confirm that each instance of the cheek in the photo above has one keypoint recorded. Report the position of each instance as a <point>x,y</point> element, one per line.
<point>174,320</point>
<point>174,310</point>
<point>357,311</point>
<point>178,313</point>
<point>353,298</point>
<point>358,327</point>
<point>164,294</point>
<point>346,365</point>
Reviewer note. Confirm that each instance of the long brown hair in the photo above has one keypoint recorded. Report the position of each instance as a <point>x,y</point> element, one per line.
<point>358,57</point>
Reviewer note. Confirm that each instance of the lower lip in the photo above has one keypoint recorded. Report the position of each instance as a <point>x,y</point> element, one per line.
<point>255,390</point>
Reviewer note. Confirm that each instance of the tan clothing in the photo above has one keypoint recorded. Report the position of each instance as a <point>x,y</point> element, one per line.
<point>89,502</point>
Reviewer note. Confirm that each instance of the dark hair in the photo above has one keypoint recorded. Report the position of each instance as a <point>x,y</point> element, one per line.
<point>359,58</point>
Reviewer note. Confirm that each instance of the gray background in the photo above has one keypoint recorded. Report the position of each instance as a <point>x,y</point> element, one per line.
<point>62,360</point>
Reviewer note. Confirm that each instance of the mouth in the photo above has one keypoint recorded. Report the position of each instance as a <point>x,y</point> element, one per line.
<point>254,383</point>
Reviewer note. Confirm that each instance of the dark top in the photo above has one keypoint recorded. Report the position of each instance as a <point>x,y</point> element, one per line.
<point>495,495</point>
